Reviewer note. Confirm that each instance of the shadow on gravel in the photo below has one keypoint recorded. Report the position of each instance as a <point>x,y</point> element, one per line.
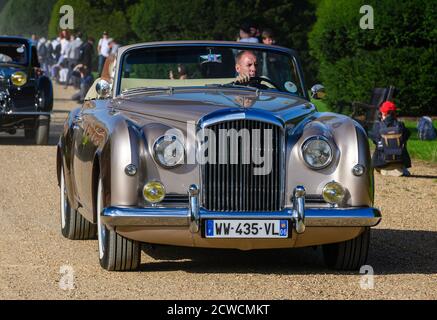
<point>422,176</point>
<point>18,139</point>
<point>391,252</point>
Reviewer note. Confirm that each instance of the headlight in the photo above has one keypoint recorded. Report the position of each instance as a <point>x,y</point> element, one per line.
<point>317,152</point>
<point>169,151</point>
<point>19,78</point>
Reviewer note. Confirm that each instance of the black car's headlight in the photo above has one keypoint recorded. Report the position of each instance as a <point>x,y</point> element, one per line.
<point>19,78</point>
<point>169,151</point>
<point>317,152</point>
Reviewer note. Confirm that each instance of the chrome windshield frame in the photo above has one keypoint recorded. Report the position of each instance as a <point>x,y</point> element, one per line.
<point>228,44</point>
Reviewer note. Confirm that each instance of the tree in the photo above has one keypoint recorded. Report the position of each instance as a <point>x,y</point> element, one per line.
<point>154,20</point>
<point>401,50</point>
<point>25,17</point>
<point>94,17</point>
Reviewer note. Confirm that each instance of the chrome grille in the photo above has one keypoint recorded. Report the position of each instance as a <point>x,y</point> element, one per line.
<point>235,187</point>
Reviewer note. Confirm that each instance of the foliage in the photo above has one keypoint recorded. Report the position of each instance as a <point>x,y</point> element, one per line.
<point>220,20</point>
<point>320,105</point>
<point>2,3</point>
<point>94,17</point>
<point>150,20</point>
<point>400,51</point>
<point>419,149</point>
<point>25,17</point>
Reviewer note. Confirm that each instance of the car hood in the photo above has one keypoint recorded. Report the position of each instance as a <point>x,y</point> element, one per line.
<point>193,104</point>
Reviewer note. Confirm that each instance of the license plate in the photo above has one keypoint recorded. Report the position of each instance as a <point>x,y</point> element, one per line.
<point>246,229</point>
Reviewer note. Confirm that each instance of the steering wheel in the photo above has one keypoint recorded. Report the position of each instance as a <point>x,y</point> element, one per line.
<point>258,80</point>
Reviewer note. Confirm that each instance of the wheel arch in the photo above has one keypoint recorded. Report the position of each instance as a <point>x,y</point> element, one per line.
<point>101,168</point>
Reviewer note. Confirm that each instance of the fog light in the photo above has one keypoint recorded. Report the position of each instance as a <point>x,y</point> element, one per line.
<point>333,193</point>
<point>358,170</point>
<point>154,192</point>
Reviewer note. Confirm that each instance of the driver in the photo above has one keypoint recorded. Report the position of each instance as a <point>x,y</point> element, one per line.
<point>245,65</point>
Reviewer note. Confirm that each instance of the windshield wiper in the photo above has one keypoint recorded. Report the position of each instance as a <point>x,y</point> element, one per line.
<point>146,89</point>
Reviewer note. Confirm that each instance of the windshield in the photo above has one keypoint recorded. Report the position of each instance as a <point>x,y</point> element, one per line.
<point>13,53</point>
<point>206,66</point>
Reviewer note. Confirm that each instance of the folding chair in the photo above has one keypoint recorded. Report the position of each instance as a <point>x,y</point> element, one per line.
<point>367,113</point>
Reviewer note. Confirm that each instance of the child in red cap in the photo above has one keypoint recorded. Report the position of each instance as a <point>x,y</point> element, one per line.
<point>390,137</point>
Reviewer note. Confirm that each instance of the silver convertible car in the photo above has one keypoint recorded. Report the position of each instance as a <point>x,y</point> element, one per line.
<point>213,145</point>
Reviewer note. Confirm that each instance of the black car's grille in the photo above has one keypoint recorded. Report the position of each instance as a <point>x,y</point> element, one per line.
<point>23,98</point>
<point>236,187</point>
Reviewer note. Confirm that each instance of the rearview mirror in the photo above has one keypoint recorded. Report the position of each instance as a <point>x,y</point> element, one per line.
<point>318,91</point>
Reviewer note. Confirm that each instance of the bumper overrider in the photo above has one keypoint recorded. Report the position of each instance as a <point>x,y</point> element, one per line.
<point>192,216</point>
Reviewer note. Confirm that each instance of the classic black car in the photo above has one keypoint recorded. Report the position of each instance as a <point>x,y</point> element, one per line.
<point>26,94</point>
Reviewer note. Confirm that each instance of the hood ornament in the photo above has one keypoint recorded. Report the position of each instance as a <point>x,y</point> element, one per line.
<point>245,101</point>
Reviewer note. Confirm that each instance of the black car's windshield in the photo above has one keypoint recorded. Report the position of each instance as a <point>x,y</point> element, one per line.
<point>14,53</point>
<point>187,66</point>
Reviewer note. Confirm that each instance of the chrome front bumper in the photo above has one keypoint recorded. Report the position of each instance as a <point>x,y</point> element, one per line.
<point>192,216</point>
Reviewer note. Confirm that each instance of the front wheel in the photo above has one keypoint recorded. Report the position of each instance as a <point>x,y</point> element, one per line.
<point>116,253</point>
<point>348,255</point>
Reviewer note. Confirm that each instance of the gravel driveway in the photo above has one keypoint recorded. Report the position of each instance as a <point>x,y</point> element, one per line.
<point>36,262</point>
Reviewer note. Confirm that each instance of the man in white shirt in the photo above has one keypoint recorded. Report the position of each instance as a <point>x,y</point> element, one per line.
<point>103,50</point>
<point>73,56</point>
<point>114,46</point>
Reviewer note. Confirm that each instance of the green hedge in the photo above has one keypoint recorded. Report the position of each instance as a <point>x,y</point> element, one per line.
<point>25,17</point>
<point>401,50</point>
<point>220,20</point>
<point>92,19</point>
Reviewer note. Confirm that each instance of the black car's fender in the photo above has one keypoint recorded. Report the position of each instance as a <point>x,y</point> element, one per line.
<point>45,92</point>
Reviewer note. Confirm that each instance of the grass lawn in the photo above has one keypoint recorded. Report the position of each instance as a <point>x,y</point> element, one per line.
<point>320,105</point>
<point>418,149</point>
<point>424,150</point>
